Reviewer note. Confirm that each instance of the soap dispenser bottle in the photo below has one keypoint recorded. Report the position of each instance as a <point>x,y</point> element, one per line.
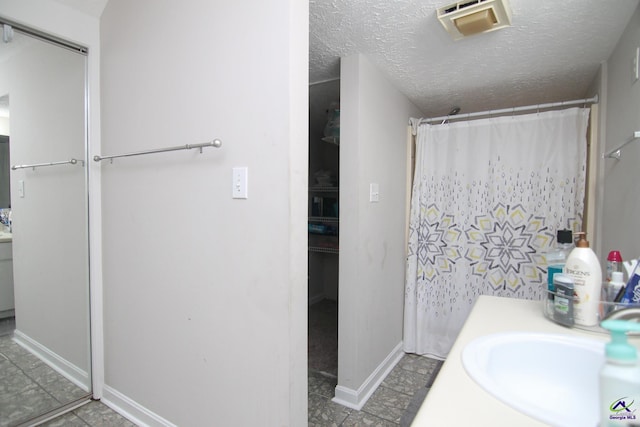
<point>583,267</point>
<point>620,377</point>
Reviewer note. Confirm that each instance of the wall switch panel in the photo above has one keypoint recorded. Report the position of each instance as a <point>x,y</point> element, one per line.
<point>240,183</point>
<point>374,193</point>
<point>21,188</point>
<point>636,61</point>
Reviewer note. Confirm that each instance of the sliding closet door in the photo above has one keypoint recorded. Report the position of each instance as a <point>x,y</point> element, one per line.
<point>45,344</point>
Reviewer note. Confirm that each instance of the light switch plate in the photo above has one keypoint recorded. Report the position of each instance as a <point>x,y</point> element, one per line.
<point>374,193</point>
<point>240,183</point>
<point>636,65</point>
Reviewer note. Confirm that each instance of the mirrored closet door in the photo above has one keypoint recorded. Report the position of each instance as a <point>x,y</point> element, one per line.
<point>45,362</point>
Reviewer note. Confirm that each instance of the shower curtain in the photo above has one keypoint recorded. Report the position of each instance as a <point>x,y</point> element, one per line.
<point>487,199</point>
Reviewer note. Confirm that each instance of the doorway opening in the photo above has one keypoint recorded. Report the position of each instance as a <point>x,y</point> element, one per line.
<point>324,230</point>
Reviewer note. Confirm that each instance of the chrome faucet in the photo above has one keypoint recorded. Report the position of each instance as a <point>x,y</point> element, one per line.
<point>631,313</point>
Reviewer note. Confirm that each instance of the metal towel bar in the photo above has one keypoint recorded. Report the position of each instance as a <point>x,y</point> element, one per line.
<point>616,152</point>
<point>215,143</point>
<point>40,165</point>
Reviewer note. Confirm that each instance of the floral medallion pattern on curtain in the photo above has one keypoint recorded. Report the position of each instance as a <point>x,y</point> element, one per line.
<point>487,199</point>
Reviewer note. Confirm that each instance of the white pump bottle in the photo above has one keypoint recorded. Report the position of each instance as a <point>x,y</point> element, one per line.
<point>583,267</point>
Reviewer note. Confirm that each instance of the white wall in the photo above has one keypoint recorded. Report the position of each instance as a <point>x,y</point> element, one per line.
<point>205,296</point>
<point>4,126</point>
<point>621,202</point>
<point>50,256</point>
<point>374,119</point>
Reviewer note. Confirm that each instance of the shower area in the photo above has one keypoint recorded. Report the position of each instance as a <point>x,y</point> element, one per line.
<point>324,160</point>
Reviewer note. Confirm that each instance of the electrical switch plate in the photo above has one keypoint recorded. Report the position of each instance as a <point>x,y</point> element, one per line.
<point>636,61</point>
<point>374,193</point>
<point>21,188</point>
<point>240,181</point>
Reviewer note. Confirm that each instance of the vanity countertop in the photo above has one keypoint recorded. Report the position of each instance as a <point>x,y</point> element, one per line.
<point>5,235</point>
<point>457,400</point>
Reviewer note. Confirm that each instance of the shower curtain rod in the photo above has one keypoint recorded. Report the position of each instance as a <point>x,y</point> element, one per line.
<point>593,100</point>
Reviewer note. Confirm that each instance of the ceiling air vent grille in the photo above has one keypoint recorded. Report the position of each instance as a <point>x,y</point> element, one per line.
<point>469,17</point>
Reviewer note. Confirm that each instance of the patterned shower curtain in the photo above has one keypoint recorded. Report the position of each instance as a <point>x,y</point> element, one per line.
<point>488,197</point>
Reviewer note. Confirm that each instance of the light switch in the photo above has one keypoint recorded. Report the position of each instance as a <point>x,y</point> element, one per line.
<point>374,193</point>
<point>21,188</point>
<point>240,182</point>
<point>636,65</point>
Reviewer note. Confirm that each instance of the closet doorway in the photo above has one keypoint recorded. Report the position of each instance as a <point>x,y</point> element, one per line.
<point>324,230</point>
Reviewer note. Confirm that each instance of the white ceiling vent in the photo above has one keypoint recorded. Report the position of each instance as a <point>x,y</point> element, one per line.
<point>469,17</point>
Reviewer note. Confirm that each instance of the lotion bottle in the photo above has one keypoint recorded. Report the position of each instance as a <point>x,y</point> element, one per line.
<point>583,267</point>
<point>620,377</point>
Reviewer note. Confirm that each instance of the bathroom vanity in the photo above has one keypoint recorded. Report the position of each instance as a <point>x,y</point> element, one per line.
<point>455,399</point>
<point>6,274</point>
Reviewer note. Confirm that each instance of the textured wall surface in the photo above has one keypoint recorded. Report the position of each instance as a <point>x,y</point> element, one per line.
<point>551,52</point>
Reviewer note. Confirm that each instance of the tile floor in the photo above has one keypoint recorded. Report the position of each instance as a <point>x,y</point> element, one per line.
<point>394,403</point>
<point>28,386</point>
<point>93,414</point>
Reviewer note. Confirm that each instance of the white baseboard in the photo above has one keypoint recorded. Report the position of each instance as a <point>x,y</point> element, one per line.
<point>132,410</point>
<point>356,399</point>
<point>65,368</point>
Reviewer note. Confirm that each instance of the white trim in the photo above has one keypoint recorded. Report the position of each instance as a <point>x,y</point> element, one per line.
<point>132,410</point>
<point>61,365</point>
<point>356,399</point>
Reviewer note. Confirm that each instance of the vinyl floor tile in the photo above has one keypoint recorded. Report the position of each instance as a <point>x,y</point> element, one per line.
<point>22,406</point>
<point>97,414</point>
<point>419,364</point>
<point>404,381</point>
<point>387,404</point>
<point>322,385</point>
<point>360,419</point>
<point>324,413</point>
<point>66,420</point>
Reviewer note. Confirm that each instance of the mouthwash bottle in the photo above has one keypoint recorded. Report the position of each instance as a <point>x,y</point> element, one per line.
<point>555,261</point>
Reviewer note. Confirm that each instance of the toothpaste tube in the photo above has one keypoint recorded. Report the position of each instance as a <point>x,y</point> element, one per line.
<point>632,290</point>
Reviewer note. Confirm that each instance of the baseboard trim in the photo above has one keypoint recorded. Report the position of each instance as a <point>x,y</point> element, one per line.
<point>356,399</point>
<point>61,365</point>
<point>132,410</point>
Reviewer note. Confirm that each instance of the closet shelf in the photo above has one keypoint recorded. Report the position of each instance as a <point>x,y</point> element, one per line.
<point>323,250</point>
<point>323,189</point>
<point>324,219</point>
<point>335,140</point>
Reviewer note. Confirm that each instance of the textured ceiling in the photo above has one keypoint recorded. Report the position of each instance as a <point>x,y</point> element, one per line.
<point>90,7</point>
<point>551,52</point>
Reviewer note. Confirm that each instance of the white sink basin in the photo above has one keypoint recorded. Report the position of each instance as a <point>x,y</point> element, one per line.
<point>552,378</point>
